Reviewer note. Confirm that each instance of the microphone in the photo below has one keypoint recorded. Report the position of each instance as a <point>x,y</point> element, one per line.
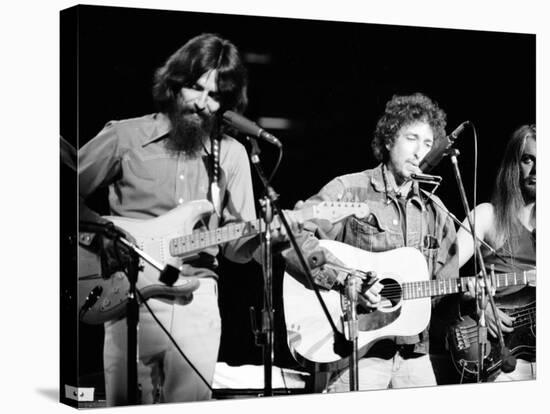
<point>245,126</point>
<point>437,153</point>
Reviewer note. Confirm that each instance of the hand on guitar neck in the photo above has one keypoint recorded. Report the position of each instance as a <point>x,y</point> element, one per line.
<point>368,288</point>
<point>298,217</point>
<point>295,221</point>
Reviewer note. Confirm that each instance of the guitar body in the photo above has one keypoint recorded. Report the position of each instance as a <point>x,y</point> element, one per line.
<point>463,341</point>
<point>168,239</point>
<point>153,237</point>
<point>309,334</point>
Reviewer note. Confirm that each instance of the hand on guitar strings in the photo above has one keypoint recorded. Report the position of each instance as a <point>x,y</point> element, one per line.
<point>369,292</point>
<point>506,321</point>
<point>114,255</point>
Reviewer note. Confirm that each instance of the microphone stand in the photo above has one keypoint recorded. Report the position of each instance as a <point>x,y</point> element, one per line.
<point>353,329</point>
<point>132,320</point>
<point>267,310</point>
<point>342,346</point>
<point>168,275</point>
<point>485,293</point>
<point>264,336</point>
<point>459,223</point>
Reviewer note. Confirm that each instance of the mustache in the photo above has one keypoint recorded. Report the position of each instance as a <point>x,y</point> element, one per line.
<point>190,110</point>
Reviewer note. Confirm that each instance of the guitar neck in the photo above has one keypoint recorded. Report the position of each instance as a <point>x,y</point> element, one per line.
<point>425,288</point>
<point>199,240</point>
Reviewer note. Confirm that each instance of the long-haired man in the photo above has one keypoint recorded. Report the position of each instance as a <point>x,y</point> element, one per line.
<point>508,224</point>
<point>154,163</point>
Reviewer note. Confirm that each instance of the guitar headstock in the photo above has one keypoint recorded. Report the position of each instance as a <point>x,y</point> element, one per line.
<point>335,211</point>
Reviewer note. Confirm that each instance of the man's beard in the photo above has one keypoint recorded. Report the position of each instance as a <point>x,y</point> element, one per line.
<point>528,190</point>
<point>190,130</point>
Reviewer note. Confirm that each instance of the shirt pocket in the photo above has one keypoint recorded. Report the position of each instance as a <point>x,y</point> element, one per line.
<point>145,167</point>
<point>430,250</point>
<point>370,233</point>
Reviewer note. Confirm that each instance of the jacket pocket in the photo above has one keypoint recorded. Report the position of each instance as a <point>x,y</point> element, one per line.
<point>370,233</point>
<point>430,250</point>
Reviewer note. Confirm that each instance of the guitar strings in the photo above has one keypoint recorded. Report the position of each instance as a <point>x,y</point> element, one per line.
<point>397,291</point>
<point>472,332</point>
<point>526,320</point>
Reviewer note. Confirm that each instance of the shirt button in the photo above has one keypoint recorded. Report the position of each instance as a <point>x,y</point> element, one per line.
<point>180,201</point>
<point>395,222</point>
<point>181,176</point>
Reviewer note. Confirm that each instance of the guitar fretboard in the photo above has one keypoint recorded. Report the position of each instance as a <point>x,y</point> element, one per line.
<point>200,239</point>
<point>425,288</point>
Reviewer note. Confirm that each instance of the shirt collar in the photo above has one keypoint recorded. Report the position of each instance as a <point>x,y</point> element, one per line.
<point>160,128</point>
<point>378,183</point>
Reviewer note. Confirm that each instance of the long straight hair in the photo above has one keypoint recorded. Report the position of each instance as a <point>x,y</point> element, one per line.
<point>200,54</point>
<point>507,196</point>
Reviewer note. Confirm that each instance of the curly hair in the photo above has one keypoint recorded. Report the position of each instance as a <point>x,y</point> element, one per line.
<point>401,111</point>
<point>507,197</point>
<point>200,54</point>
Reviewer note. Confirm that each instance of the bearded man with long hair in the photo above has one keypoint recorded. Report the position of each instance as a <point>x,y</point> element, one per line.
<point>153,164</point>
<point>508,225</point>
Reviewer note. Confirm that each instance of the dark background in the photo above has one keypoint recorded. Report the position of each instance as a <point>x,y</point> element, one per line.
<point>330,79</point>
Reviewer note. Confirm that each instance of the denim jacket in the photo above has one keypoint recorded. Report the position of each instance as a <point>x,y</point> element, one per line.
<point>427,227</point>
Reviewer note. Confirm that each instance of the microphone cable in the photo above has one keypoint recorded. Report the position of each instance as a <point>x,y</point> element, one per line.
<point>144,301</point>
<point>277,164</point>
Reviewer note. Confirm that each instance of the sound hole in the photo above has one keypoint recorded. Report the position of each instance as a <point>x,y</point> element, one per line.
<point>391,293</point>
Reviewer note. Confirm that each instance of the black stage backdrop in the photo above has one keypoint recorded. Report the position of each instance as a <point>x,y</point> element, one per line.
<point>330,80</point>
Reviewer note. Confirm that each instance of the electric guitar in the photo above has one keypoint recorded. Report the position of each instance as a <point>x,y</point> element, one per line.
<point>462,338</point>
<point>170,239</point>
<point>405,307</point>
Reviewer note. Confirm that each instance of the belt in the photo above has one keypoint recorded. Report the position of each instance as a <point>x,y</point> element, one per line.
<point>387,349</point>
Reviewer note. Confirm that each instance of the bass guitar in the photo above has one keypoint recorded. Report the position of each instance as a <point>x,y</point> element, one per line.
<point>463,343</point>
<point>405,307</point>
<point>170,239</point>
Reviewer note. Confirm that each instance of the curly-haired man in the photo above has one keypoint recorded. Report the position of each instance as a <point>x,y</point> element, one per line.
<point>400,215</point>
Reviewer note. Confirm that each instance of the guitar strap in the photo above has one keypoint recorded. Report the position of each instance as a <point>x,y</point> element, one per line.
<point>215,147</point>
<point>215,175</point>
